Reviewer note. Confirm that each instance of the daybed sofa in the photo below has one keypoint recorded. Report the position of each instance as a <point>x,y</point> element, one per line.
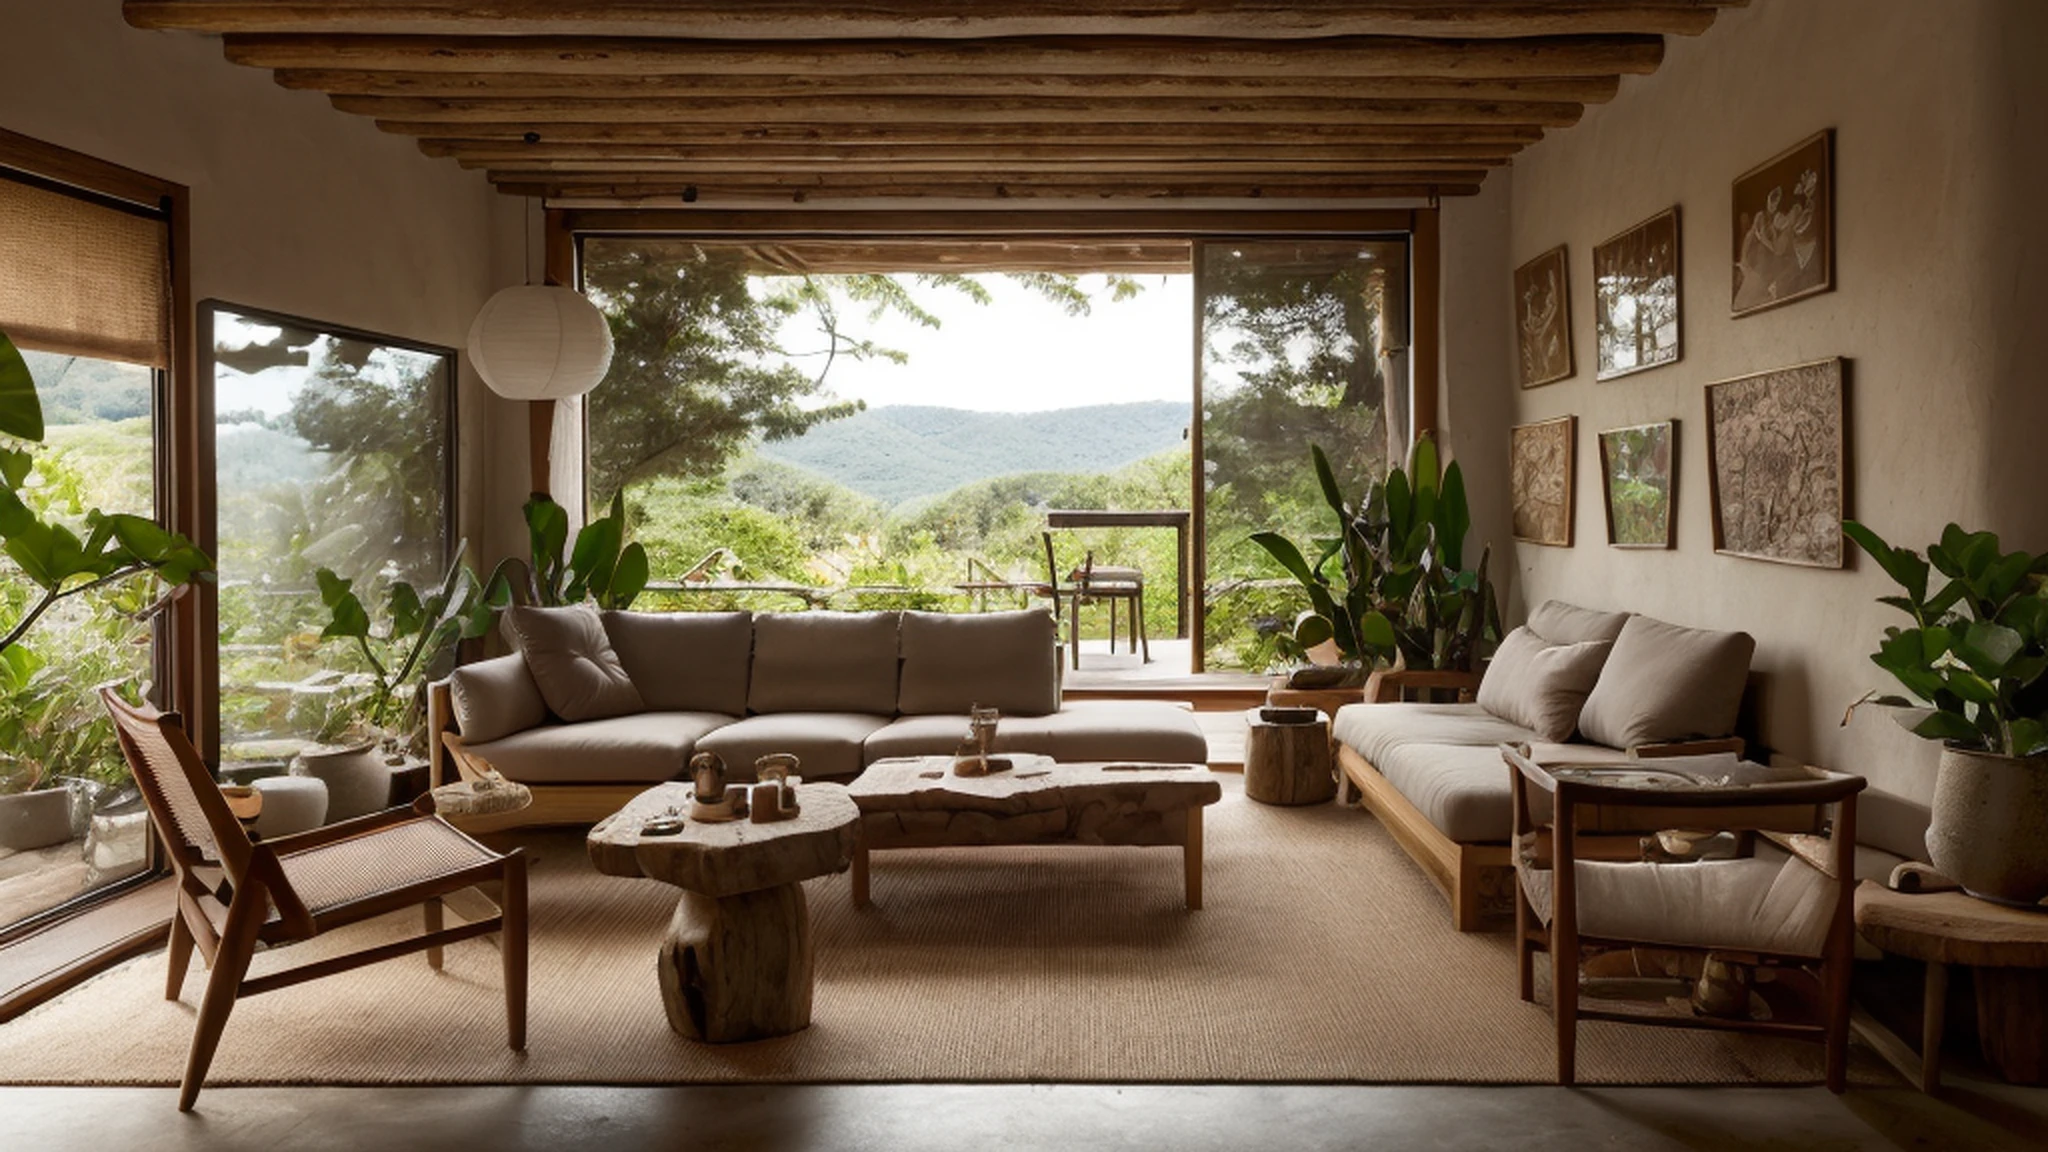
<point>592,708</point>
<point>1577,686</point>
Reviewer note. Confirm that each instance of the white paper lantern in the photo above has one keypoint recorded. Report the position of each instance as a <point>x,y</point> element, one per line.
<point>540,342</point>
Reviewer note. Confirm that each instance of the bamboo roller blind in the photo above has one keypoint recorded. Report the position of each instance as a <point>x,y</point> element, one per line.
<point>79,277</point>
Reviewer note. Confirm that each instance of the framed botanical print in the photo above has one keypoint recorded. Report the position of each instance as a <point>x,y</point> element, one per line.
<point>1777,453</point>
<point>1543,319</point>
<point>1784,218</point>
<point>1638,471</point>
<point>1540,480</point>
<point>1636,298</point>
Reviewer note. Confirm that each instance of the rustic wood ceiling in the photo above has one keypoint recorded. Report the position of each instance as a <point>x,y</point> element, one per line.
<point>1022,103</point>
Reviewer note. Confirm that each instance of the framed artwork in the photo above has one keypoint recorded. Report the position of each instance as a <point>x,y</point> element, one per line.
<point>1540,478</point>
<point>1777,455</point>
<point>1543,319</point>
<point>1638,471</point>
<point>1784,218</point>
<point>1635,298</point>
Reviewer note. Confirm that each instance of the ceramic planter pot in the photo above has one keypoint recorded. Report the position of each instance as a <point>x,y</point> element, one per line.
<point>1990,826</point>
<point>35,819</point>
<point>357,781</point>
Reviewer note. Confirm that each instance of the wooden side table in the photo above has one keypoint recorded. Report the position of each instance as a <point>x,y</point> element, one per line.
<point>1288,763</point>
<point>2007,950</point>
<point>737,961</point>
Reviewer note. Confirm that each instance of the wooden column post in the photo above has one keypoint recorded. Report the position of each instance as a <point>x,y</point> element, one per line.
<point>558,249</point>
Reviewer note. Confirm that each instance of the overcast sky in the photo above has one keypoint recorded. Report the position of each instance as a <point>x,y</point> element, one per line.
<point>1020,353</point>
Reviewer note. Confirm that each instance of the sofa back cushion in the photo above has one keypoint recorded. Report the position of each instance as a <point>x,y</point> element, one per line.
<point>1541,686</point>
<point>1663,682</point>
<point>824,662</point>
<point>495,698</point>
<point>573,662</point>
<point>685,661</point>
<point>1003,660</point>
<point>1562,623</point>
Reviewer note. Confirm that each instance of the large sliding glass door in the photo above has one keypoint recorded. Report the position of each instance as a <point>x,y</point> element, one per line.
<point>1303,342</point>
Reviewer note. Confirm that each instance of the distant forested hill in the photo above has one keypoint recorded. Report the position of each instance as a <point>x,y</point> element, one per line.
<point>899,453</point>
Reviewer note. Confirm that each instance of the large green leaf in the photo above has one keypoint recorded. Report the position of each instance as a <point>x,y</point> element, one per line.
<point>630,577</point>
<point>346,616</point>
<point>1283,550</point>
<point>1988,648</point>
<point>2029,738</point>
<point>21,410</point>
<point>1903,565</point>
<point>1423,467</point>
<point>1376,630</point>
<point>1946,726</point>
<point>1454,517</point>
<point>1327,479</point>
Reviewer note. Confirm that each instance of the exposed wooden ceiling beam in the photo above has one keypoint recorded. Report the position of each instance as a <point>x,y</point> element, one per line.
<point>1134,224</point>
<point>960,110</point>
<point>1338,56</point>
<point>713,191</point>
<point>854,256</point>
<point>812,19</point>
<point>667,172</point>
<point>650,157</point>
<point>543,85</point>
<point>1497,139</point>
<point>706,174</point>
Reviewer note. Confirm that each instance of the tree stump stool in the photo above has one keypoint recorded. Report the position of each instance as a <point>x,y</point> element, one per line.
<point>1288,763</point>
<point>736,963</point>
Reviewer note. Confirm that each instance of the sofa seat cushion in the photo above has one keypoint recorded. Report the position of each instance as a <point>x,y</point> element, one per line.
<point>644,748</point>
<point>826,744</point>
<point>1664,682</point>
<point>1002,660</point>
<point>824,662</point>
<point>1142,730</point>
<point>941,735</point>
<point>1372,730</point>
<point>1465,791</point>
<point>1764,905</point>
<point>685,661</point>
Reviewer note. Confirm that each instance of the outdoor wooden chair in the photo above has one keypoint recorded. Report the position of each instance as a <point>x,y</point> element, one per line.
<point>1090,584</point>
<point>233,893</point>
<point>1608,867</point>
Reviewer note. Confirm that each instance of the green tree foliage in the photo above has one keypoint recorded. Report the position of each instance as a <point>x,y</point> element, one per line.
<point>700,367</point>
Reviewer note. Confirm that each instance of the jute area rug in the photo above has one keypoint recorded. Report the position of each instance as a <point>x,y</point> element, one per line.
<point>1322,955</point>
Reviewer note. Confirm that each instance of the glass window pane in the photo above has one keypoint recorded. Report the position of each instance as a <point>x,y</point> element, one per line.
<point>1303,343</point>
<point>75,822</point>
<point>332,451</point>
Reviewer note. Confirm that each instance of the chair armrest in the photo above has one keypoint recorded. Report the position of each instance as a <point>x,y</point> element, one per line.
<point>468,765</point>
<point>1819,851</point>
<point>1388,684</point>
<point>1687,748</point>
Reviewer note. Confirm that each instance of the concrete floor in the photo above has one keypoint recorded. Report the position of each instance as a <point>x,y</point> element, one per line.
<point>913,1118</point>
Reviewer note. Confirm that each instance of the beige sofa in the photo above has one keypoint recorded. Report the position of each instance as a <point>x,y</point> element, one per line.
<point>591,708</point>
<point>1577,686</point>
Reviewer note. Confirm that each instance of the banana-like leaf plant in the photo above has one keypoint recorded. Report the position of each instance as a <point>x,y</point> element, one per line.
<point>1972,662</point>
<point>601,566</point>
<point>413,645</point>
<point>1400,593</point>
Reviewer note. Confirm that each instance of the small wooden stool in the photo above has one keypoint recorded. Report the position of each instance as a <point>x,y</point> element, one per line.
<point>2007,952</point>
<point>1287,763</point>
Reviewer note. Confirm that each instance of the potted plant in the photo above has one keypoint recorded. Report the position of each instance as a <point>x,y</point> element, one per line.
<point>1972,666</point>
<point>1400,595</point>
<point>111,557</point>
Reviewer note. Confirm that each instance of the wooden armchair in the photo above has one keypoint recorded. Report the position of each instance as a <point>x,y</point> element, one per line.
<point>233,893</point>
<point>1591,884</point>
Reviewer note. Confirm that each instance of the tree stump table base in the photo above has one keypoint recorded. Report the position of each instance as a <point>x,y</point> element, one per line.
<point>738,967</point>
<point>1288,764</point>
<point>736,963</point>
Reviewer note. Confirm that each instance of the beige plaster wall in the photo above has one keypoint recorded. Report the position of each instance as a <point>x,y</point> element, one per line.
<point>295,207</point>
<point>1938,112</point>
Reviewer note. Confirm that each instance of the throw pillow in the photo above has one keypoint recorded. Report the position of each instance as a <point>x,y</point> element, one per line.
<point>573,663</point>
<point>824,662</point>
<point>1663,682</point>
<point>1002,660</point>
<point>1562,623</point>
<point>494,698</point>
<point>1541,686</point>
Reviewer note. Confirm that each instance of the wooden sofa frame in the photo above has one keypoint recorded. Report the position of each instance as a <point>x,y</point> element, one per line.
<point>1477,879</point>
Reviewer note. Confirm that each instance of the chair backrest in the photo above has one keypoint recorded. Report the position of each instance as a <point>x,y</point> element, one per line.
<point>182,795</point>
<point>1052,565</point>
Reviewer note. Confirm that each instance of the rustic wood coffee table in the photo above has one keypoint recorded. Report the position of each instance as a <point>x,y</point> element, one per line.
<point>736,964</point>
<point>917,802</point>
